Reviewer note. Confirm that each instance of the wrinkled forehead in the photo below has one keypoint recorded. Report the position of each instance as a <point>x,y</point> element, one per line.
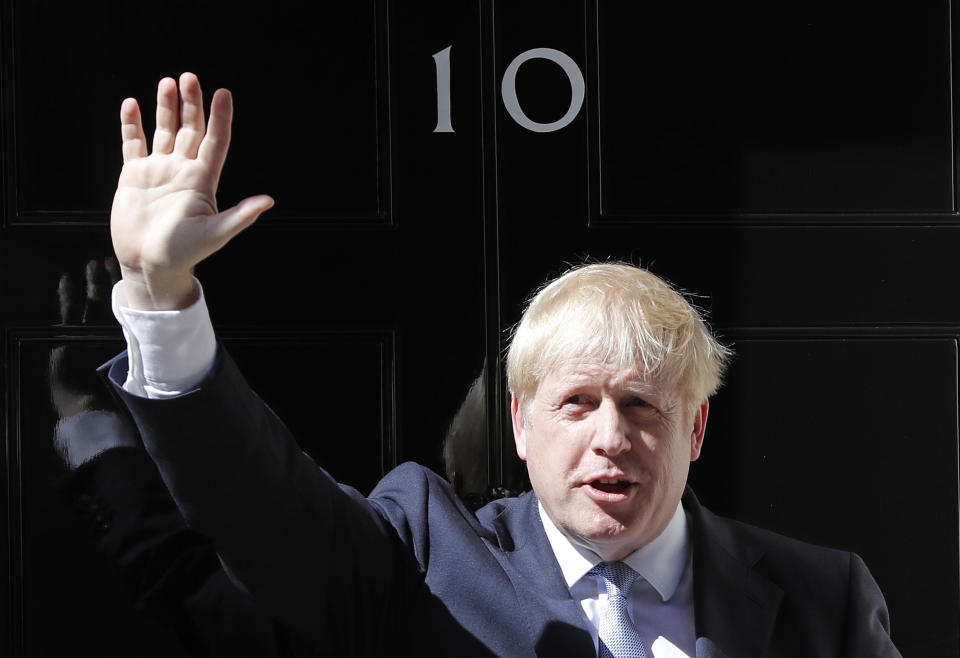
<point>612,375</point>
<point>596,347</point>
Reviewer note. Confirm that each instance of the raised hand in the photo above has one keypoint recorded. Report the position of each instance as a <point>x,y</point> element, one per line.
<point>164,218</point>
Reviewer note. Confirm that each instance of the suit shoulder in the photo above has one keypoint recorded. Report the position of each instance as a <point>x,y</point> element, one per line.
<point>769,551</point>
<point>418,502</point>
<point>413,484</point>
<point>822,594</point>
<point>813,576</point>
<point>410,479</point>
<point>777,542</point>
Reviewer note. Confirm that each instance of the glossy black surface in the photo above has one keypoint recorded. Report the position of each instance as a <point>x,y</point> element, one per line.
<point>316,85</point>
<point>792,164</point>
<point>775,107</point>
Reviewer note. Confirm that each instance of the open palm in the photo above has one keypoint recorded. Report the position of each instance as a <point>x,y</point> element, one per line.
<point>164,218</point>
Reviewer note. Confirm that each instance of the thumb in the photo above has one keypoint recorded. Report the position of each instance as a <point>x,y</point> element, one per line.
<point>226,224</point>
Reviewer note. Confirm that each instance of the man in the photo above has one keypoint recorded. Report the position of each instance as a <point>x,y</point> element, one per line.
<point>610,372</point>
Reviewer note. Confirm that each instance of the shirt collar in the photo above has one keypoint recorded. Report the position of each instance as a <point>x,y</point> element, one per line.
<point>661,562</point>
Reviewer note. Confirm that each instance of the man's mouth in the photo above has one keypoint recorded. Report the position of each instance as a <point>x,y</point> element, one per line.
<point>610,485</point>
<point>608,491</point>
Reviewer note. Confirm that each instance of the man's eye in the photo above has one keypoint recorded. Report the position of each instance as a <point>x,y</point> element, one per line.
<point>576,400</point>
<point>638,402</point>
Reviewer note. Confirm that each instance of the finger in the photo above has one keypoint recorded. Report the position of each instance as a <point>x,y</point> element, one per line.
<point>224,225</point>
<point>98,281</point>
<point>69,297</point>
<point>96,309</point>
<point>113,269</point>
<point>168,116</point>
<point>213,148</point>
<point>191,116</point>
<point>131,131</point>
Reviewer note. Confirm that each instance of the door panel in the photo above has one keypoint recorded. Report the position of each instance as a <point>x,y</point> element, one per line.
<point>797,107</point>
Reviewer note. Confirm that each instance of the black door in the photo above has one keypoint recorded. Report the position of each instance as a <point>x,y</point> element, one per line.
<point>792,164</point>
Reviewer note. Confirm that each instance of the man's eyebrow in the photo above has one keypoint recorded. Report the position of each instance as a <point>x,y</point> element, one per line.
<point>641,389</point>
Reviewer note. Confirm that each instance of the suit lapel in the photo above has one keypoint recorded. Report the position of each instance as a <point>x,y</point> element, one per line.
<point>556,622</point>
<point>735,607</point>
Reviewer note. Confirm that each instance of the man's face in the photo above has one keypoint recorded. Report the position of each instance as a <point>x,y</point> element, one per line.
<point>608,453</point>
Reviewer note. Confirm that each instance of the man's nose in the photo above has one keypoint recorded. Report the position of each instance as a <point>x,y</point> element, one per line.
<point>609,433</point>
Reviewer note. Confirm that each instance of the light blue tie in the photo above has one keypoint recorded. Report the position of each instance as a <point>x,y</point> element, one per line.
<point>618,637</point>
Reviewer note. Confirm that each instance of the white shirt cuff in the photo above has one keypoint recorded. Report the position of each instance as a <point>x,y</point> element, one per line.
<point>169,352</point>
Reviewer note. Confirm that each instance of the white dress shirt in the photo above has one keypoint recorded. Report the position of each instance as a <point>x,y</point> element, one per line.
<point>170,352</point>
<point>661,602</point>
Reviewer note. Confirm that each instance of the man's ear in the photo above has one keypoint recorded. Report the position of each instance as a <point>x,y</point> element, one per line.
<point>519,429</point>
<point>698,430</point>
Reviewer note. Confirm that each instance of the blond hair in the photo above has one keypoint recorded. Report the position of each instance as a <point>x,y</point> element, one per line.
<point>619,314</point>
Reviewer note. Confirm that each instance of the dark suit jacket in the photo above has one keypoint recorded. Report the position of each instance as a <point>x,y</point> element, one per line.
<point>171,573</point>
<point>410,571</point>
